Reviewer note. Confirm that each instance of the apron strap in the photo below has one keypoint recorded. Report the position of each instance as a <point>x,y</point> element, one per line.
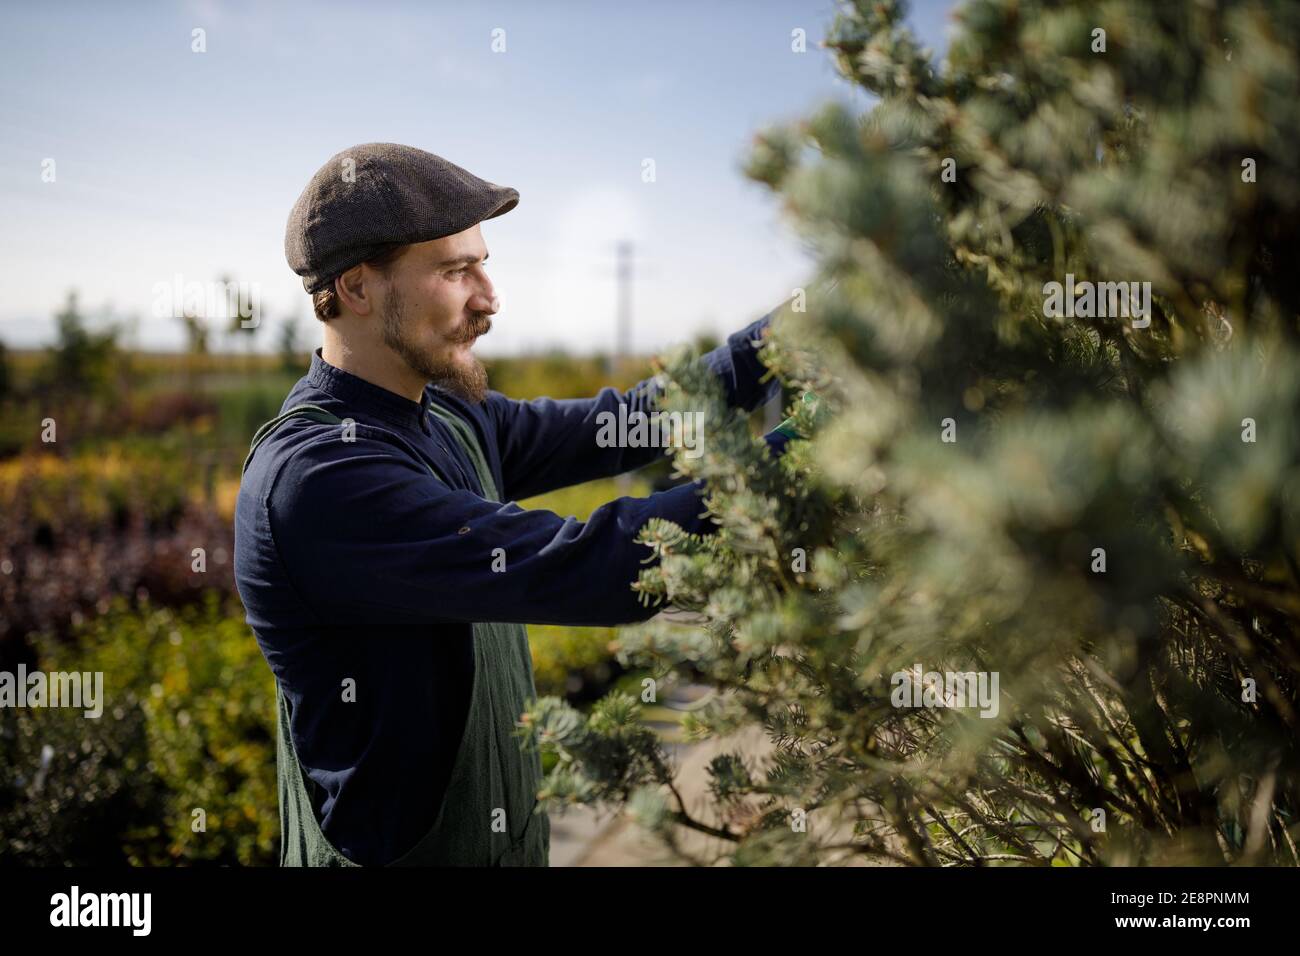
<point>469,442</point>
<point>305,410</point>
<point>315,413</point>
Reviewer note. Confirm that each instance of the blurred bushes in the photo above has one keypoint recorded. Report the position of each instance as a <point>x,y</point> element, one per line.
<point>97,534</point>
<point>88,489</point>
<point>123,521</point>
<point>573,662</point>
<point>558,375</point>
<point>241,411</point>
<point>188,724</point>
<point>577,662</point>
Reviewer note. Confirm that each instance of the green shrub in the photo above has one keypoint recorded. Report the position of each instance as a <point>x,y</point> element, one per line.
<point>188,724</point>
<point>576,661</point>
<point>571,661</point>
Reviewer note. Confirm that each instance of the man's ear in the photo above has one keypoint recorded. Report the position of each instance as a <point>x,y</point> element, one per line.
<point>357,290</point>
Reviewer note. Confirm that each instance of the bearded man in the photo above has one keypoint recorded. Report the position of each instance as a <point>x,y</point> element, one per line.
<point>384,567</point>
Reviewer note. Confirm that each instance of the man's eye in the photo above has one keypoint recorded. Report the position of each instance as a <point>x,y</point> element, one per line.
<point>458,272</point>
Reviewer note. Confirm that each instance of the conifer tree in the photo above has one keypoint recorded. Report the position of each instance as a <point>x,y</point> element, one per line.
<point>1054,337</point>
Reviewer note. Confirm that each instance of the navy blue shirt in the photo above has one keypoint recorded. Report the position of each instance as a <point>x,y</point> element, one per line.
<point>354,561</point>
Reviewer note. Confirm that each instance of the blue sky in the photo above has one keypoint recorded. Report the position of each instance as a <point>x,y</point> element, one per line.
<point>173,162</point>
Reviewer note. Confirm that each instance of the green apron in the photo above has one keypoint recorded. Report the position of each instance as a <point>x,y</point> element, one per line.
<point>491,773</point>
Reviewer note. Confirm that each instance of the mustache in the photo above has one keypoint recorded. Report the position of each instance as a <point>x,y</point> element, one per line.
<point>479,324</point>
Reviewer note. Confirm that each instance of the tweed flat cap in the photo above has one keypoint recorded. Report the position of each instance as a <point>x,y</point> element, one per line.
<point>376,194</point>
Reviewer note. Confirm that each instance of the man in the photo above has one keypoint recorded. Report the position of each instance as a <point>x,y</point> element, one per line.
<point>384,568</point>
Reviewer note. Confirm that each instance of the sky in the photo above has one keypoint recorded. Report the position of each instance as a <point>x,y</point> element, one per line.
<point>174,166</point>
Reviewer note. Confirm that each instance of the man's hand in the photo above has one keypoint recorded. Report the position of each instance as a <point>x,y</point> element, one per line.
<point>788,427</point>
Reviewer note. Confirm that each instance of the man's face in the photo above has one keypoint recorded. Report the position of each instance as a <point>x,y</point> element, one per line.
<point>437,302</point>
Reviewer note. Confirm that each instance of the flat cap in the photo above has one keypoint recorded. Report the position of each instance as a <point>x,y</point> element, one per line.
<point>376,194</point>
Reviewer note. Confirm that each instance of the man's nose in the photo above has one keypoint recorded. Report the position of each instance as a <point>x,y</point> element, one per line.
<point>485,300</point>
<point>480,302</point>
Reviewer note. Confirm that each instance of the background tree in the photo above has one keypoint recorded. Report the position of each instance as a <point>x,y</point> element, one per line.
<point>1103,512</point>
<point>6,374</point>
<point>240,316</point>
<point>80,378</point>
<point>290,347</point>
<point>82,360</point>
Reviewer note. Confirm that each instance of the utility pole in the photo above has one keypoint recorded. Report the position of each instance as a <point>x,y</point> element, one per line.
<point>623,334</point>
<point>623,327</point>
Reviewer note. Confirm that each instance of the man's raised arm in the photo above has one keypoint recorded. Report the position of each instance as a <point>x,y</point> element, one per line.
<point>547,443</point>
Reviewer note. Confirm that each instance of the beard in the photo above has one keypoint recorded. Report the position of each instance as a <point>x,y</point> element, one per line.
<point>467,379</point>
